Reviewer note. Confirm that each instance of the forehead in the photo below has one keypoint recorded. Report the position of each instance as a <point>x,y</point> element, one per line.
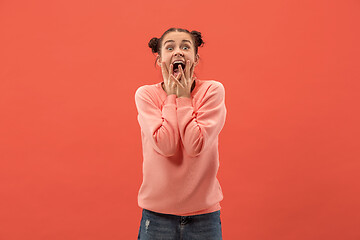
<point>178,37</point>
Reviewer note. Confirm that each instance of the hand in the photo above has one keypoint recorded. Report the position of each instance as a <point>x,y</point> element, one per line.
<point>184,86</point>
<point>170,85</point>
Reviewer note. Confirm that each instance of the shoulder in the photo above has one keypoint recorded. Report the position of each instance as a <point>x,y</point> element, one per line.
<point>146,91</point>
<point>212,87</point>
<point>211,84</point>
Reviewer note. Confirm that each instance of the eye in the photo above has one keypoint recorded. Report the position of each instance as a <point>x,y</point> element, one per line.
<point>185,47</point>
<point>169,48</point>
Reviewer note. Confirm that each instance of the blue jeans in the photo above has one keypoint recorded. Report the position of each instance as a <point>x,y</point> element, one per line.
<point>158,226</point>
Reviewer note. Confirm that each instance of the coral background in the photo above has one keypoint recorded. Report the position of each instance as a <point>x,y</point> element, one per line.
<point>70,144</point>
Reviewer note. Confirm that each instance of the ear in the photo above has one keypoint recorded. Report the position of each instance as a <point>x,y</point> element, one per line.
<point>197,59</point>
<point>158,60</point>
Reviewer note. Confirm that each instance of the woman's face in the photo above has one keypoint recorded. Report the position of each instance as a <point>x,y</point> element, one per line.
<point>177,47</point>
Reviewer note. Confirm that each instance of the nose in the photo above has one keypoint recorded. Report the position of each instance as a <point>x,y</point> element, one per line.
<point>178,53</point>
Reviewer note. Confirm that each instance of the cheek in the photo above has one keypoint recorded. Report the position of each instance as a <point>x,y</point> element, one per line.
<point>166,59</point>
<point>191,57</point>
<point>192,61</point>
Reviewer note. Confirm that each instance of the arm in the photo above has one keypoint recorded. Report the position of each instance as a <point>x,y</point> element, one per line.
<point>158,125</point>
<point>200,129</point>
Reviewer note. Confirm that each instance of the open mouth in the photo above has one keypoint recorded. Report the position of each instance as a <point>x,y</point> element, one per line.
<point>176,67</point>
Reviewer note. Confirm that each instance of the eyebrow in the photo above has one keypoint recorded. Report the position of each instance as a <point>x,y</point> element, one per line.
<point>174,41</point>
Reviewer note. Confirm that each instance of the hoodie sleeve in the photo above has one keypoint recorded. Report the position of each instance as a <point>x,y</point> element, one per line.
<point>200,129</point>
<point>159,125</point>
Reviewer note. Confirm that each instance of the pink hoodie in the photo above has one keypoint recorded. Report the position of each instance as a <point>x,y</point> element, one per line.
<point>180,148</point>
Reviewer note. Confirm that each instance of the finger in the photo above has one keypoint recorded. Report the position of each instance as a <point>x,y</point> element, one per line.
<point>182,75</point>
<point>192,81</point>
<point>178,77</point>
<point>192,70</point>
<point>177,81</point>
<point>170,72</point>
<point>172,80</point>
<point>187,69</point>
<point>164,70</point>
<point>171,68</point>
<point>163,67</point>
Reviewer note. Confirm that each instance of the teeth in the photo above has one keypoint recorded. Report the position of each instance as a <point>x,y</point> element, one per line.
<point>178,62</point>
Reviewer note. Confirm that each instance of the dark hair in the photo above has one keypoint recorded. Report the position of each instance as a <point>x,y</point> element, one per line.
<point>155,43</point>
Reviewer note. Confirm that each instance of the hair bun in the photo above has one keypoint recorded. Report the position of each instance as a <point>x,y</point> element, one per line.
<point>198,38</point>
<point>153,44</point>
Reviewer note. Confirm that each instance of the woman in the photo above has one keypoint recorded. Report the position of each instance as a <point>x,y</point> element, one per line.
<point>180,120</point>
